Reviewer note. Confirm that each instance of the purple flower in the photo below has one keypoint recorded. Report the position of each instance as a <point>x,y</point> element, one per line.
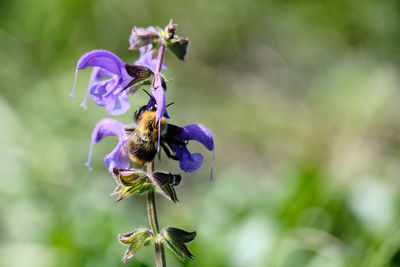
<point>143,39</point>
<point>118,157</point>
<point>110,92</point>
<point>142,36</point>
<point>177,139</point>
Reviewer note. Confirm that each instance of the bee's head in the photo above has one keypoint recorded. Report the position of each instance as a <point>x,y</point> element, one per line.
<point>151,106</point>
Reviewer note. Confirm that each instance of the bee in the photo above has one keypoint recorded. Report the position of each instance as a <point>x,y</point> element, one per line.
<point>142,143</point>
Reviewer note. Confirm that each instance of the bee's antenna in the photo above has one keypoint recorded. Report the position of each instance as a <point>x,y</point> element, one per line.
<point>152,97</point>
<point>170,104</point>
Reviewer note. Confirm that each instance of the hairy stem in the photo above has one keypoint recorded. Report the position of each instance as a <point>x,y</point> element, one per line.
<point>160,57</point>
<point>151,201</point>
<point>152,215</point>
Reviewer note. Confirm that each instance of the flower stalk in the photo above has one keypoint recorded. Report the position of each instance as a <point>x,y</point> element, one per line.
<point>152,215</point>
<point>151,200</point>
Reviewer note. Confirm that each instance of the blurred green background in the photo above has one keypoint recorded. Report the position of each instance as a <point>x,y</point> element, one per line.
<point>302,98</point>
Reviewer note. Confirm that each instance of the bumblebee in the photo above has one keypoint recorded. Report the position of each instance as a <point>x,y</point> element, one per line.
<point>141,145</point>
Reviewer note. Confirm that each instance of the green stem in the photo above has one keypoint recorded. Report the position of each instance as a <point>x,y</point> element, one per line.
<point>152,215</point>
<point>151,201</point>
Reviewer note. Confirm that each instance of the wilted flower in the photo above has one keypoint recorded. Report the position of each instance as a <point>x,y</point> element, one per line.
<point>110,93</point>
<point>117,157</point>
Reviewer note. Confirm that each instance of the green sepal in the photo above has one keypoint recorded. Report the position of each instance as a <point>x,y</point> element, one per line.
<point>175,239</point>
<point>178,46</point>
<point>165,182</point>
<point>137,238</point>
<point>130,182</point>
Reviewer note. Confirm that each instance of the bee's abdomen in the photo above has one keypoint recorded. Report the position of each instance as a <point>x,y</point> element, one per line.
<point>142,153</point>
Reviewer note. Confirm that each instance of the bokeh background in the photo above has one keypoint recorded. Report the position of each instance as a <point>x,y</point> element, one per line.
<point>302,98</point>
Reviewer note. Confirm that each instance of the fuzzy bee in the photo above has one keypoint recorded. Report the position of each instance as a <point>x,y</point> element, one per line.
<point>142,143</point>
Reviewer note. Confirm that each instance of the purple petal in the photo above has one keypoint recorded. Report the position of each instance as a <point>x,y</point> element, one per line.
<point>159,95</point>
<point>188,162</point>
<point>108,127</point>
<point>103,59</point>
<point>99,89</point>
<point>105,127</point>
<point>199,133</point>
<point>117,104</point>
<point>117,158</point>
<point>98,74</point>
<point>142,35</point>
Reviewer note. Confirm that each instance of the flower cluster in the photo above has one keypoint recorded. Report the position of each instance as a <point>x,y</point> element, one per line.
<point>111,83</point>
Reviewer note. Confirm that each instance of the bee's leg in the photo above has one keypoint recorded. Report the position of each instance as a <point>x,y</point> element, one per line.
<point>168,152</point>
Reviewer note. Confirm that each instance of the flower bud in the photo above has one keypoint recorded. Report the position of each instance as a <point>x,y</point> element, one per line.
<point>141,37</point>
<point>170,30</point>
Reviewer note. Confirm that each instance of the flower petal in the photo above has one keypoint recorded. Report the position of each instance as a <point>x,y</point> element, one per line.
<point>99,89</point>
<point>142,36</point>
<point>105,127</point>
<point>117,104</point>
<point>116,158</point>
<point>187,162</point>
<point>159,96</point>
<point>98,74</point>
<point>108,127</point>
<point>199,133</point>
<point>103,59</point>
